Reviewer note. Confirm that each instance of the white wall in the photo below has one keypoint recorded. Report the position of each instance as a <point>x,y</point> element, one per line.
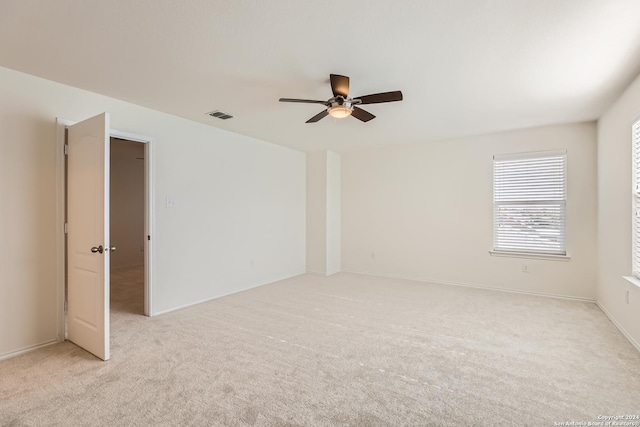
<point>614,213</point>
<point>425,212</point>
<point>240,220</point>
<point>334,213</point>
<point>127,203</point>
<point>316,212</point>
<point>323,212</point>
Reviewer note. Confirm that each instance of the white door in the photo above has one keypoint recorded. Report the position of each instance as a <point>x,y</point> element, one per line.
<point>88,235</point>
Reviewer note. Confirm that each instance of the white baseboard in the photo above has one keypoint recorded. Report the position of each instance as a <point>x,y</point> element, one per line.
<point>27,349</point>
<point>325,274</point>
<point>316,273</point>
<point>471,285</point>
<point>225,294</point>
<point>619,326</point>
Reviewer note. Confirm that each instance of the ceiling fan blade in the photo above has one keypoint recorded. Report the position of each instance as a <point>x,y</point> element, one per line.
<point>362,115</point>
<point>339,85</point>
<point>304,101</point>
<point>378,98</point>
<point>317,117</point>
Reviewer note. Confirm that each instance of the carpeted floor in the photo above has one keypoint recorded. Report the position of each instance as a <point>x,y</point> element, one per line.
<point>344,350</point>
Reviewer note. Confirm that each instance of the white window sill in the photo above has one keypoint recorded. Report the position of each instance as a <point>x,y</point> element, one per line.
<point>633,280</point>
<point>549,257</point>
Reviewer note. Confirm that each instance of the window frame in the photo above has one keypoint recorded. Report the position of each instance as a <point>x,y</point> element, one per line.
<point>524,251</point>
<point>634,278</point>
<point>635,198</point>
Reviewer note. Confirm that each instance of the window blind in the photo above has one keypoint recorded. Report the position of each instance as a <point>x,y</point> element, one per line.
<point>635,253</point>
<point>529,202</point>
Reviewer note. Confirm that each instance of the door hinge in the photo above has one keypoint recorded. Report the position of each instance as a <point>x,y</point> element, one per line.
<point>65,228</point>
<point>66,149</point>
<point>148,237</point>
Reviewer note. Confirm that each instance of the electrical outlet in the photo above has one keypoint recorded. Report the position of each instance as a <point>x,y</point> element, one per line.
<point>525,268</point>
<point>171,203</point>
<point>627,296</point>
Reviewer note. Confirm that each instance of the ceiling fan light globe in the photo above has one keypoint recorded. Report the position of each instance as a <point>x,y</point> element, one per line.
<point>339,111</point>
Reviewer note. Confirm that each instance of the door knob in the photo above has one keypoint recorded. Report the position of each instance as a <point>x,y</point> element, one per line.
<point>112,249</point>
<point>98,249</point>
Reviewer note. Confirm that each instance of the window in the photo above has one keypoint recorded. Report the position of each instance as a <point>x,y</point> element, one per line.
<point>635,261</point>
<point>529,203</point>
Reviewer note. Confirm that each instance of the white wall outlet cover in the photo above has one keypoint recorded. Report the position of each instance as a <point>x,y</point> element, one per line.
<point>171,203</point>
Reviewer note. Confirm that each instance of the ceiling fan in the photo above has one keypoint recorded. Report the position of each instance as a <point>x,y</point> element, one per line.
<point>341,105</point>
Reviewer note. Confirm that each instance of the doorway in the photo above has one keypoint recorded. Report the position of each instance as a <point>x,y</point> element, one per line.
<point>137,256</point>
<point>126,229</point>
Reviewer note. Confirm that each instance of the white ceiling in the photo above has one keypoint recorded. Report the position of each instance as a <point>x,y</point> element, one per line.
<point>465,66</point>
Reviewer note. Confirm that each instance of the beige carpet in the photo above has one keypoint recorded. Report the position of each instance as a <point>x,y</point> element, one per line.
<point>345,350</point>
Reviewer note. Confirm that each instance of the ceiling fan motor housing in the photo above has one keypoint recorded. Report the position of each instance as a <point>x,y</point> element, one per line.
<point>339,100</point>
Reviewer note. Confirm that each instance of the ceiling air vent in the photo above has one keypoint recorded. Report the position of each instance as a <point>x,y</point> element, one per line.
<point>219,114</point>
